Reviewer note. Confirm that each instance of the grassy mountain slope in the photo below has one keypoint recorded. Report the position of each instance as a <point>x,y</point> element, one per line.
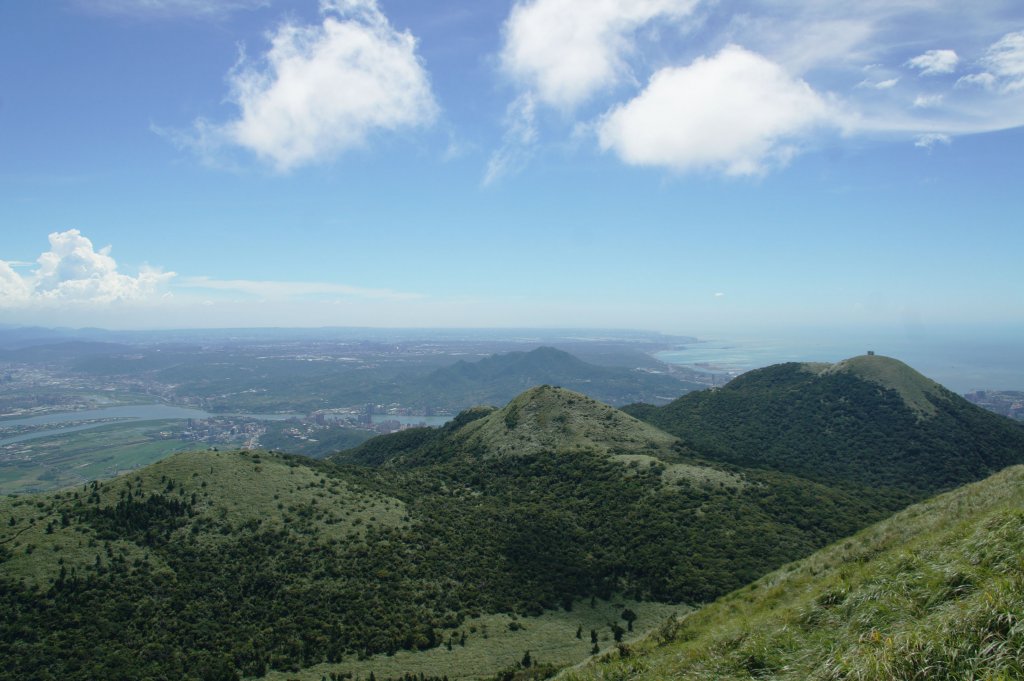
<point>935,592</point>
<point>200,566</point>
<point>870,422</point>
<point>556,419</point>
<point>244,563</point>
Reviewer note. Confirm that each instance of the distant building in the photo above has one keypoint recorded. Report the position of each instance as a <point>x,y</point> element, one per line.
<point>871,353</point>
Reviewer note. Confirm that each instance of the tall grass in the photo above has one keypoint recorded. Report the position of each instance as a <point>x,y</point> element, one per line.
<point>935,592</point>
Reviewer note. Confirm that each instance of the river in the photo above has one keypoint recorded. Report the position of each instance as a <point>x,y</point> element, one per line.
<point>139,412</point>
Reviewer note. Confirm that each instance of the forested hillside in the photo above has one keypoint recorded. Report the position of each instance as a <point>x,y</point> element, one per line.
<point>935,592</point>
<point>870,422</point>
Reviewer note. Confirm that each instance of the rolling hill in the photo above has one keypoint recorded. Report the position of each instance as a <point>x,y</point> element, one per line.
<point>868,422</point>
<point>934,592</point>
<point>229,564</point>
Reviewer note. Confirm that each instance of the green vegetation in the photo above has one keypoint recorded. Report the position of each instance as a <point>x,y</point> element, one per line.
<point>252,562</point>
<point>481,646</point>
<point>323,441</point>
<point>380,559</point>
<point>935,592</point>
<point>48,463</point>
<point>870,424</point>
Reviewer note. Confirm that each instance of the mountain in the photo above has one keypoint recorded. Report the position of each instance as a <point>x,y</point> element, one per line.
<point>498,378</point>
<point>227,564</point>
<point>935,592</point>
<point>218,564</point>
<point>869,422</point>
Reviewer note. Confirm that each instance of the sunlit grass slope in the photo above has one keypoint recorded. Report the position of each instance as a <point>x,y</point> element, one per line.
<point>935,592</point>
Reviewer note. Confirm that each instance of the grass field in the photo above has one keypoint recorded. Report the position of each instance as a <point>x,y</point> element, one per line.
<point>50,463</point>
<point>493,645</point>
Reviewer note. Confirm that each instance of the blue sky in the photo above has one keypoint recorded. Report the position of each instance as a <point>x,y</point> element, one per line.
<point>687,166</point>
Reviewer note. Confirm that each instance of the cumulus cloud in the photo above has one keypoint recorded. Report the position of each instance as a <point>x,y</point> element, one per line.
<point>566,50</point>
<point>323,89</point>
<point>736,112</point>
<point>73,271</point>
<point>935,62</point>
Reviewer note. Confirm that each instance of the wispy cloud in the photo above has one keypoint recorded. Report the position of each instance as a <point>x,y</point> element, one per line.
<point>931,139</point>
<point>928,101</point>
<point>935,62</point>
<point>163,9</point>
<point>74,272</point>
<point>519,140</point>
<point>1005,60</point>
<point>287,290</point>
<point>323,89</point>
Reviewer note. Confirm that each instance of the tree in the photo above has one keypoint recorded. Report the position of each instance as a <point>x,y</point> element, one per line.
<point>630,617</point>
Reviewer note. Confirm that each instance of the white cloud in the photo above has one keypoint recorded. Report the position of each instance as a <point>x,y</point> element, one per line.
<point>520,138</point>
<point>927,101</point>
<point>1005,59</point>
<point>935,62</point>
<point>14,289</point>
<point>288,290</point>
<point>881,85</point>
<point>985,80</point>
<point>736,112</point>
<point>72,271</point>
<point>564,51</point>
<point>321,90</point>
<point>171,8</point>
<point>929,140</point>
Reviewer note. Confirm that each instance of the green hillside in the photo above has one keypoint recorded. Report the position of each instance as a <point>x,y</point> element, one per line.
<point>869,422</point>
<point>935,592</point>
<point>404,554</point>
<point>249,563</point>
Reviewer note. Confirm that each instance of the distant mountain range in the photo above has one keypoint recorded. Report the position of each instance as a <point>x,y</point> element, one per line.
<point>499,378</point>
<point>228,564</point>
